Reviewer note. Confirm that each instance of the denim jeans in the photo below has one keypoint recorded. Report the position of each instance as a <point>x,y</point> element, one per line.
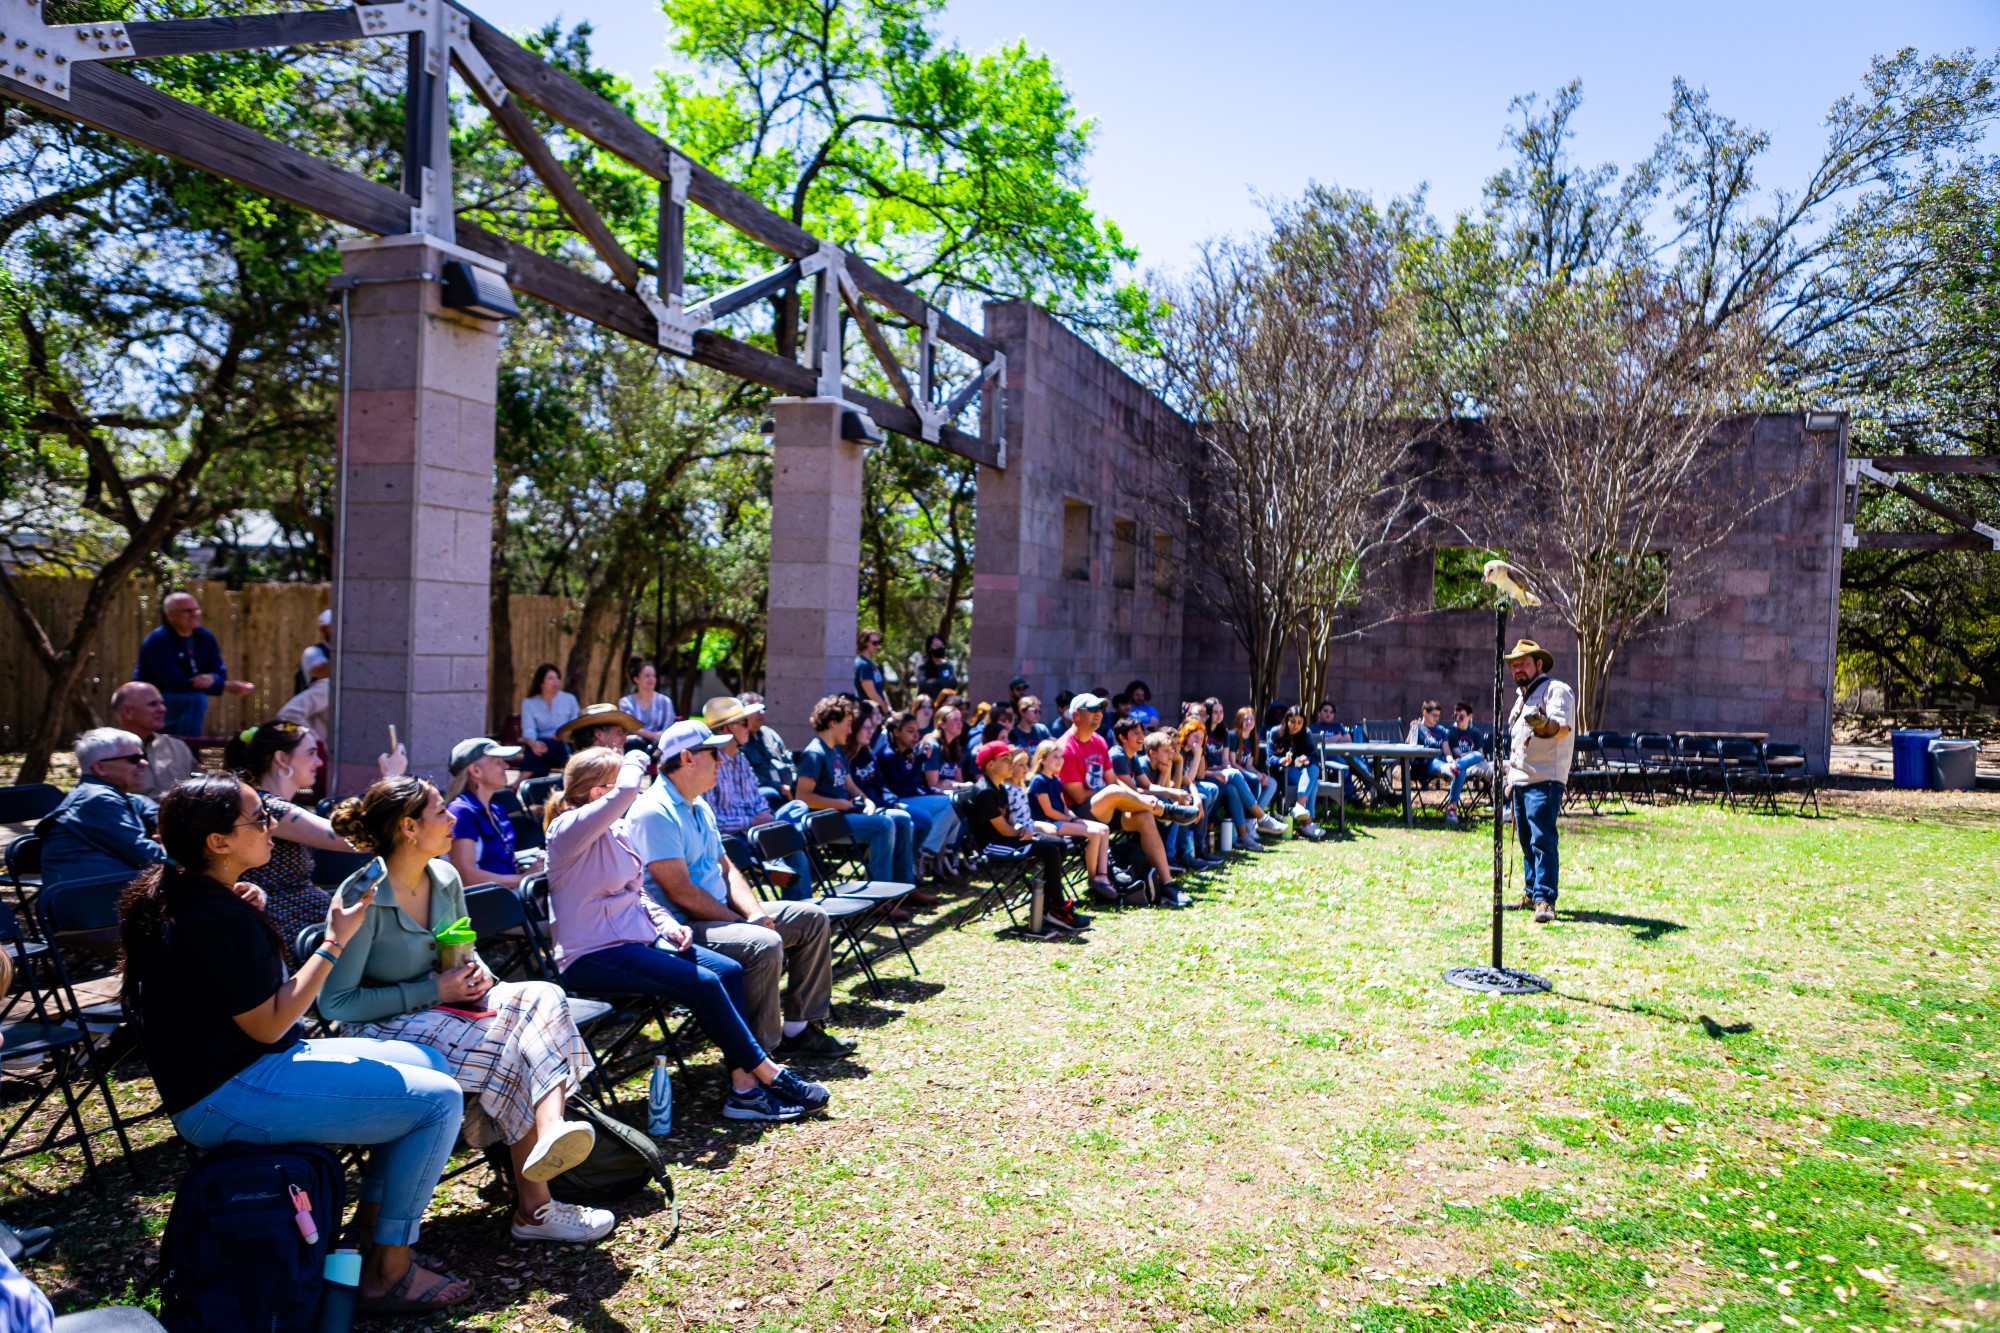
<point>891,839</point>
<point>936,822</point>
<point>1535,809</point>
<point>1236,792</point>
<point>710,984</point>
<point>1267,790</point>
<point>1307,779</point>
<point>1462,768</point>
<point>396,1095</point>
<point>185,713</point>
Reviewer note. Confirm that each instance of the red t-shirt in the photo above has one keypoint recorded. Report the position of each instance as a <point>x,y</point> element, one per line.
<point>1086,761</point>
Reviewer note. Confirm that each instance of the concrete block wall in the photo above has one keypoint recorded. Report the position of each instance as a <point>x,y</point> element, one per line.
<point>1756,654</point>
<point>1080,430</point>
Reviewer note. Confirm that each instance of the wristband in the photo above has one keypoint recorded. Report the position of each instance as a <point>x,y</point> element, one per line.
<point>330,957</point>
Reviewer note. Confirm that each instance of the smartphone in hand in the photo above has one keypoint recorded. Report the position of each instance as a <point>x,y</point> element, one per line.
<point>371,876</point>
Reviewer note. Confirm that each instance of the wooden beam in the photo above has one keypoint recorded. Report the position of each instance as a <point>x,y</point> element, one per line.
<point>1922,541</point>
<point>140,114</point>
<point>1985,464</point>
<point>528,142</point>
<point>243,32</point>
<point>878,343</point>
<point>1916,497</point>
<point>571,104</point>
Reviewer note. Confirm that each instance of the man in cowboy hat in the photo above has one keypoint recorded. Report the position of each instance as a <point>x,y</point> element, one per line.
<point>738,799</point>
<point>1540,743</point>
<point>607,725</point>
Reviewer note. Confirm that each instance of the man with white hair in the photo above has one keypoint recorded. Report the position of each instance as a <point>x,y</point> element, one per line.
<point>141,711</point>
<point>98,833</point>
<point>184,662</point>
<point>317,654</point>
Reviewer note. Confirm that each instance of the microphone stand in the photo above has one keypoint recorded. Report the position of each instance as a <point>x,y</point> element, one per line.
<point>1495,977</point>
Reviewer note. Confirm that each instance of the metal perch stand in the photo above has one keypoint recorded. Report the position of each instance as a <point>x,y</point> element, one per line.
<point>1495,977</point>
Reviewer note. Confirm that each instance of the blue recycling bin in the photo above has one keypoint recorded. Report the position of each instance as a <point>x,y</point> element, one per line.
<point>1910,755</point>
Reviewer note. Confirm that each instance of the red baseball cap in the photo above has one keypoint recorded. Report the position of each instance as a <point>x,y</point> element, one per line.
<point>990,751</point>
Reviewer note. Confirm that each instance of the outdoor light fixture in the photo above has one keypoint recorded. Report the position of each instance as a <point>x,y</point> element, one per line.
<point>1822,421</point>
<point>477,291</point>
<point>859,427</point>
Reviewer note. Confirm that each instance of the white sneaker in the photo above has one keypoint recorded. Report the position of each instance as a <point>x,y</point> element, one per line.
<point>1269,825</point>
<point>1300,812</point>
<point>556,1153</point>
<point>567,1222</point>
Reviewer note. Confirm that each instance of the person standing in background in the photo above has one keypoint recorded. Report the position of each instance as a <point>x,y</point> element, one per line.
<point>868,680</point>
<point>315,655</point>
<point>938,672</point>
<point>1540,744</point>
<point>182,660</point>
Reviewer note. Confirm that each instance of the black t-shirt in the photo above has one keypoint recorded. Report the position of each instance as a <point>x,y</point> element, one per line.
<point>937,676</point>
<point>214,960</point>
<point>988,804</point>
<point>1127,766</point>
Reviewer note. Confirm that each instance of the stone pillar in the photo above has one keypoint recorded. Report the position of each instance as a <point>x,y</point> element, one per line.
<point>415,526</point>
<point>814,607</point>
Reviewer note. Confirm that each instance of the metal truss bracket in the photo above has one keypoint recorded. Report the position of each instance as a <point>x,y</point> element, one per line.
<point>679,170</point>
<point>39,55</point>
<point>676,329</point>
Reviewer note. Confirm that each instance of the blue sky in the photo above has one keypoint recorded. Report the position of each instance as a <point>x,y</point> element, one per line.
<point>1203,107</point>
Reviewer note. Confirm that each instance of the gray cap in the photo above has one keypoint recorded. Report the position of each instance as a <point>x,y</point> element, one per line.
<point>469,751</point>
<point>1088,702</point>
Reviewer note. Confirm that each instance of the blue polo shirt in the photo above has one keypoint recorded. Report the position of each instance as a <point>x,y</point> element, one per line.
<point>665,826</point>
<point>494,832</point>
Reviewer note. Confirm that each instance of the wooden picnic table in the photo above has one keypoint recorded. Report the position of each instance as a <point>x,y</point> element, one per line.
<point>1395,751</point>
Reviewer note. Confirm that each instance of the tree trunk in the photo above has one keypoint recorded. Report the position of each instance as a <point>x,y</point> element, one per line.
<point>597,603</point>
<point>1593,674</point>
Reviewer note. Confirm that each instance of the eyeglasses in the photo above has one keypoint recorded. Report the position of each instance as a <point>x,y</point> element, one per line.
<point>262,819</point>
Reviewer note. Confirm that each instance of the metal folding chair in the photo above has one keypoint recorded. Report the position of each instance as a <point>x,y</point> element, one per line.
<point>26,802</point>
<point>513,946</point>
<point>1785,767</point>
<point>853,907</point>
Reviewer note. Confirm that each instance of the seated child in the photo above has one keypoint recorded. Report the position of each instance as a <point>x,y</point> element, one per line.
<point>1052,818</point>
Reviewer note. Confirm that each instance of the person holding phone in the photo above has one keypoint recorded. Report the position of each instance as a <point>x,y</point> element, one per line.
<point>218,1016</point>
<point>512,1045</point>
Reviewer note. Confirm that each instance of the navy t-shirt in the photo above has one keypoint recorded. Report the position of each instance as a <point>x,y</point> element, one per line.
<point>827,767</point>
<point>938,760</point>
<point>866,768</point>
<point>867,670</point>
<point>1051,788</point>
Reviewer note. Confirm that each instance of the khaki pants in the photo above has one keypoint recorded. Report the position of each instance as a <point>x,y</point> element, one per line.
<point>799,947</point>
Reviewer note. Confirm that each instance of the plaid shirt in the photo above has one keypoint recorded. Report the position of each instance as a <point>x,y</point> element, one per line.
<point>737,802</point>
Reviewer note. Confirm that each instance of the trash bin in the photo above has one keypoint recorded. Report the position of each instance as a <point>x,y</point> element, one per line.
<point>1954,764</point>
<point>1910,752</point>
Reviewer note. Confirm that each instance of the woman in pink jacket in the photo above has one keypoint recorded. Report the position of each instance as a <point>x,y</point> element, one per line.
<point>611,937</point>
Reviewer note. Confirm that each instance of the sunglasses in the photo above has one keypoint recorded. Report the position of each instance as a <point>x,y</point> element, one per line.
<point>125,759</point>
<point>262,819</point>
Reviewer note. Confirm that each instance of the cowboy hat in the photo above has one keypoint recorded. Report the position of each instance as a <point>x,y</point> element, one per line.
<point>1529,648</point>
<point>598,715</point>
<point>722,710</point>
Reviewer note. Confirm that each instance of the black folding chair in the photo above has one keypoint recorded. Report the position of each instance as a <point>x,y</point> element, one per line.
<point>853,908</point>
<point>1009,872</point>
<point>46,1033</point>
<point>1660,764</point>
<point>23,872</point>
<point>527,824</point>
<point>1740,766</point>
<point>1785,768</point>
<point>26,802</point>
<point>535,792</point>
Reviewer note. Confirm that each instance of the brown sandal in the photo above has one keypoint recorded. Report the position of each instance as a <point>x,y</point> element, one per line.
<point>397,1299</point>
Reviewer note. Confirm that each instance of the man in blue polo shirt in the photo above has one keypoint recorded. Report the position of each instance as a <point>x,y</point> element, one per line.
<point>184,663</point>
<point>674,832</point>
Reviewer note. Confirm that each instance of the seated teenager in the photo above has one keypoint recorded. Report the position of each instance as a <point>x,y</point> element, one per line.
<point>1468,757</point>
<point>1093,792</point>
<point>864,766</point>
<point>611,936</point>
<point>826,783</point>
<point>218,1016</point>
<point>1159,770</point>
<point>510,1044</point>
<point>1028,730</point>
<point>653,711</point>
<point>1052,818</point>
<point>1428,729</point>
<point>482,837</point>
<point>1246,811</point>
<point>98,832</point>
<point>1000,823</point>
<point>1358,776</point>
<point>281,759</point>
<point>901,768</point>
<point>1246,750</point>
<point>943,751</point>
<point>1139,703</point>
<point>1293,747</point>
<point>545,712</point>
<point>1192,740</point>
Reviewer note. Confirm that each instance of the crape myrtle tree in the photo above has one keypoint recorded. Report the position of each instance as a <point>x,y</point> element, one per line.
<point>1285,351</point>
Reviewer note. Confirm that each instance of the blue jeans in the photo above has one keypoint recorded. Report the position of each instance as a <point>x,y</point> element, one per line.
<point>185,713</point>
<point>1267,790</point>
<point>1462,768</point>
<point>1236,792</point>
<point>710,984</point>
<point>1535,809</point>
<point>394,1094</point>
<point>1307,779</point>
<point>891,839</point>
<point>936,822</point>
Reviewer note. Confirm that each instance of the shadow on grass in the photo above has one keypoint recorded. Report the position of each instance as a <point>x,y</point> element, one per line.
<point>1645,929</point>
<point>1713,1030</point>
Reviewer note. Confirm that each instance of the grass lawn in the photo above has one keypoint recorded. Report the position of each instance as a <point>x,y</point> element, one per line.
<point>1763,1096</point>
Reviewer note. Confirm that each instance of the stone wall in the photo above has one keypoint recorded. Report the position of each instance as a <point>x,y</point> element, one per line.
<point>1755,654</point>
<point>1069,545</point>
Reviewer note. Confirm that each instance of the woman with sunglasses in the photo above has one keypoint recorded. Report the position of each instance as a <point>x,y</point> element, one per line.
<point>218,1016</point>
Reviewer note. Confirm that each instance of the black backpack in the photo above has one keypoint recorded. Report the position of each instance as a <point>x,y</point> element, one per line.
<point>233,1257</point>
<point>622,1162</point>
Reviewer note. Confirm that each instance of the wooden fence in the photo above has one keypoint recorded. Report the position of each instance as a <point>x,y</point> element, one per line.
<point>262,627</point>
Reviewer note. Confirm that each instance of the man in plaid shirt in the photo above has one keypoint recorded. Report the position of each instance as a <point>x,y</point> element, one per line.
<point>738,800</point>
